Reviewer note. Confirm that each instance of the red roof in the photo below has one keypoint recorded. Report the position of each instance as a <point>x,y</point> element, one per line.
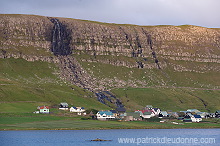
<point>43,107</point>
<point>143,111</point>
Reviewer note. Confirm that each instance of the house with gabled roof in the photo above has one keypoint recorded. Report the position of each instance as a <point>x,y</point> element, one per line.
<point>78,110</point>
<point>63,106</point>
<point>146,114</point>
<point>210,115</point>
<point>193,110</point>
<point>105,115</point>
<point>217,114</point>
<point>193,118</point>
<point>163,114</point>
<point>156,111</point>
<point>173,114</point>
<point>44,109</point>
<point>196,118</point>
<point>202,114</point>
<point>148,107</point>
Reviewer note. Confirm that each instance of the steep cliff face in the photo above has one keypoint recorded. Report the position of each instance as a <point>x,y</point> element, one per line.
<point>60,39</point>
<point>100,56</point>
<point>25,35</point>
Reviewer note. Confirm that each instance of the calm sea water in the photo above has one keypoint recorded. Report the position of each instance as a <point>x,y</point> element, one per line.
<point>118,137</point>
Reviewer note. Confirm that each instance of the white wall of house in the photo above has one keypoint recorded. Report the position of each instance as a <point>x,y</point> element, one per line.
<point>146,116</point>
<point>81,113</point>
<point>104,116</point>
<point>45,111</point>
<point>196,119</point>
<point>157,112</point>
<point>62,108</point>
<point>153,114</point>
<point>76,110</point>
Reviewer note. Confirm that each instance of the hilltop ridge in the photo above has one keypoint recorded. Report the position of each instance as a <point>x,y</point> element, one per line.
<point>120,57</point>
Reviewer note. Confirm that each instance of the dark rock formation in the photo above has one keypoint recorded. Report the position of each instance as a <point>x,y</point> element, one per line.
<point>61,38</point>
<point>105,97</point>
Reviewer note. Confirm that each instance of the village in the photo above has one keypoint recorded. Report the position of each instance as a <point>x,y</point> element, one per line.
<point>145,114</point>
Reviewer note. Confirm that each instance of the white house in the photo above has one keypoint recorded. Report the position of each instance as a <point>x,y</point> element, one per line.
<point>202,114</point>
<point>63,106</point>
<point>193,110</point>
<point>78,110</point>
<point>43,109</point>
<point>163,114</point>
<point>148,107</point>
<point>105,115</point>
<point>146,114</point>
<point>196,118</point>
<point>156,111</point>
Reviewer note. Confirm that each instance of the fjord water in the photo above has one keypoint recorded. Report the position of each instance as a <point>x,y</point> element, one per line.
<point>83,137</point>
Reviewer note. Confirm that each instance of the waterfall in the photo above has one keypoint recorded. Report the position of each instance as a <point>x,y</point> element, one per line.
<point>70,68</point>
<point>60,39</point>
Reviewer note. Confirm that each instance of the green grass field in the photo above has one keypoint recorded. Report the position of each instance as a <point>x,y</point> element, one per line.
<point>166,89</point>
<point>25,85</point>
<point>175,99</point>
<point>52,122</point>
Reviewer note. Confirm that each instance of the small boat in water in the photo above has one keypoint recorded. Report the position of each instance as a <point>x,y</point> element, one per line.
<point>97,139</point>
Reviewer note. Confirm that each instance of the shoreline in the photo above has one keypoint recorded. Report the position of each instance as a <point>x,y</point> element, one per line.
<point>154,126</point>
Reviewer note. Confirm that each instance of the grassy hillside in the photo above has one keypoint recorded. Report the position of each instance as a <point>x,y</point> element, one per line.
<point>25,85</point>
<point>175,99</point>
<point>166,88</point>
<point>188,57</point>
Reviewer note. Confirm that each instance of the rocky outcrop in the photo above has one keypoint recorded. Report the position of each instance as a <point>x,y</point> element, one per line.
<point>72,44</point>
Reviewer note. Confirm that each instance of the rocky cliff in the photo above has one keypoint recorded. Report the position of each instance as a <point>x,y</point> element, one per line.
<point>99,56</point>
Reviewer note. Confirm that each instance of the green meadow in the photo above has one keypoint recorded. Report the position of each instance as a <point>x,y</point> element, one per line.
<point>25,85</point>
<point>55,122</point>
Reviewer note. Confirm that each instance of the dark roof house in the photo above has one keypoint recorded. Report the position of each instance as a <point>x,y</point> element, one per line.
<point>64,105</point>
<point>217,112</point>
